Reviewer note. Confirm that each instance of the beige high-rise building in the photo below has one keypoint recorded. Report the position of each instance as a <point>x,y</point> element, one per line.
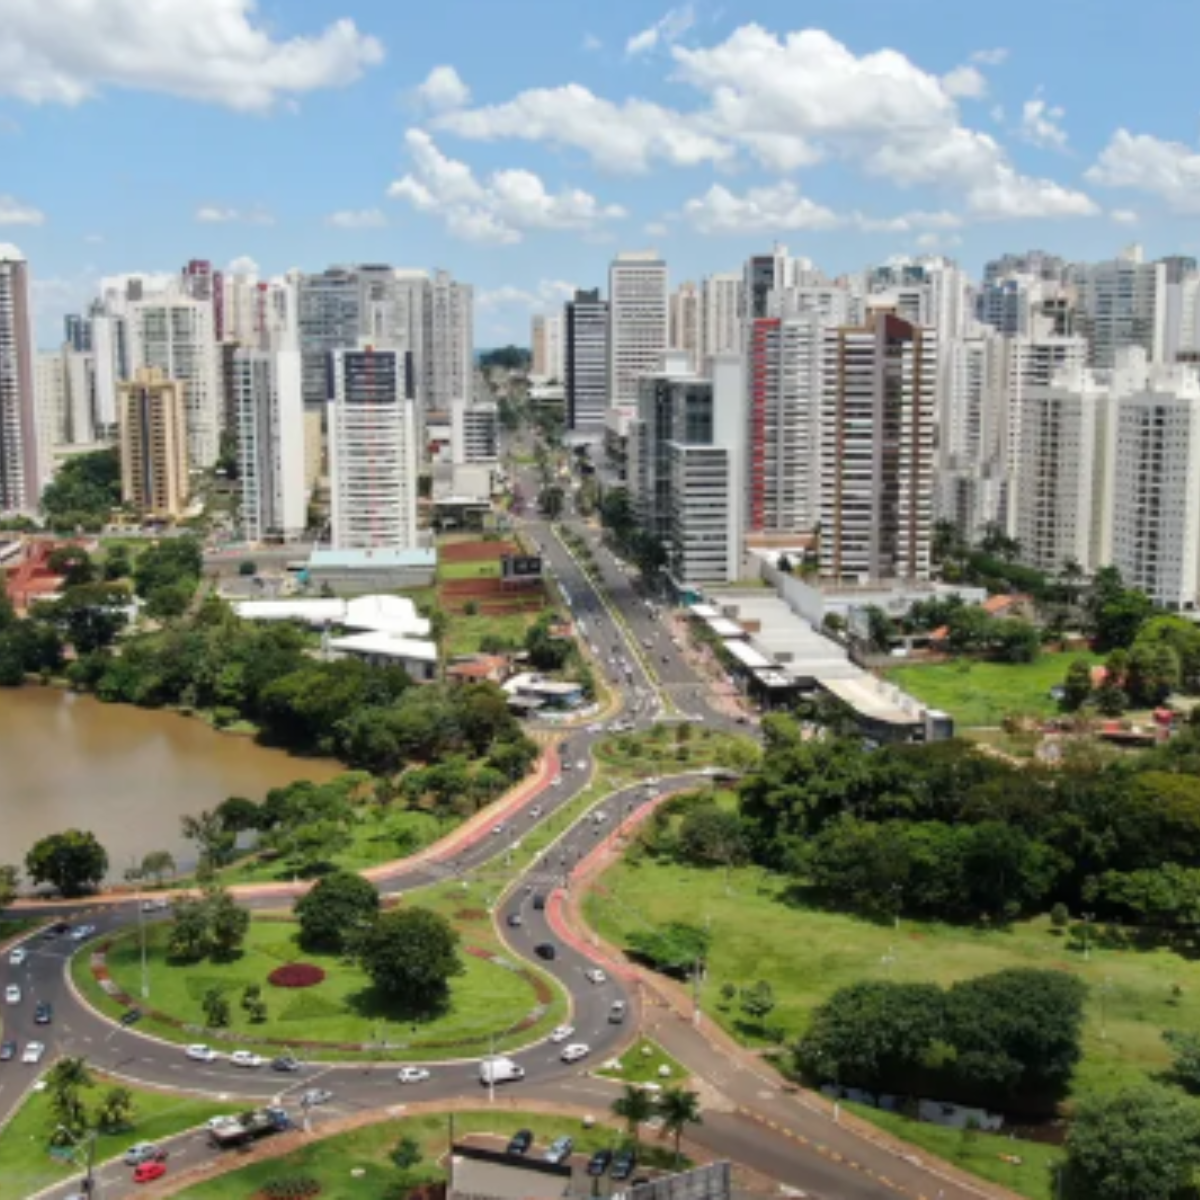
<point>154,458</point>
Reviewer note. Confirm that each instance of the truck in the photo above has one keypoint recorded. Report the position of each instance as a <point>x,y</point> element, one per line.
<point>499,1070</point>
<point>249,1127</point>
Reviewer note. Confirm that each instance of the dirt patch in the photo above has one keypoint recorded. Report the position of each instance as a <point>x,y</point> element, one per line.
<point>460,552</point>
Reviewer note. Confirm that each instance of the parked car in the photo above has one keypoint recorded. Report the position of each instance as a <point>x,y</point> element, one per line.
<point>599,1162</point>
<point>575,1051</point>
<point>148,1172</point>
<point>33,1053</point>
<point>521,1141</point>
<point>562,1033</point>
<point>198,1052</point>
<point>543,950</point>
<point>624,1164</point>
<point>246,1058</point>
<point>560,1150</point>
<point>44,1013</point>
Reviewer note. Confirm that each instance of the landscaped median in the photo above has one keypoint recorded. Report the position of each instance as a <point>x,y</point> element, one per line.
<point>341,1015</point>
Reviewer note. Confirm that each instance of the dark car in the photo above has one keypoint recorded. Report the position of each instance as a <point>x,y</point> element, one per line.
<point>624,1165</point>
<point>8,1051</point>
<point>131,1016</point>
<point>44,1013</point>
<point>285,1062</point>
<point>546,950</point>
<point>539,902</point>
<point>521,1142</point>
<point>514,920</point>
<point>599,1162</point>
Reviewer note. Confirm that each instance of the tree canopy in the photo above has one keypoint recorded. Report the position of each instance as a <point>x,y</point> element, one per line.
<point>73,861</point>
<point>336,908</point>
<point>411,954</point>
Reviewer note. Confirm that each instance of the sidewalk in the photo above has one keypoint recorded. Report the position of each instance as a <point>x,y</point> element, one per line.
<point>752,1086</point>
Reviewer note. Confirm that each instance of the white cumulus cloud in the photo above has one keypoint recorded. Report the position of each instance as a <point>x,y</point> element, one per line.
<point>966,82</point>
<point>443,89</point>
<point>547,293</point>
<point>499,209</point>
<point>215,51</point>
<point>1124,216</point>
<point>1040,124</point>
<point>216,214</point>
<point>666,30</point>
<point>13,212</point>
<point>990,58</point>
<point>363,218</point>
<point>1169,171</point>
<point>765,210</point>
<point>242,265</point>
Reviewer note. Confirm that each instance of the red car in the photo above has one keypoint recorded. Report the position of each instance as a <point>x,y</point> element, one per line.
<point>147,1172</point>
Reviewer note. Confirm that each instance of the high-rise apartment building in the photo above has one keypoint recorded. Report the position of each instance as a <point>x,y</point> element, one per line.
<point>783,389</point>
<point>877,450</point>
<point>686,467</point>
<point>684,322</point>
<point>65,399</point>
<point>175,335</point>
<point>152,424</point>
<point>329,316</point>
<point>77,332</point>
<point>450,347</point>
<point>586,322</point>
<point>21,465</point>
<point>474,432</point>
<point>637,323</point>
<point>548,343</point>
<point>1122,304</point>
<point>268,403</point>
<point>372,451</point>
<point>720,315</point>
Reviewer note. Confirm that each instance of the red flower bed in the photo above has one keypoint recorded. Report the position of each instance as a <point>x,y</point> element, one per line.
<point>296,975</point>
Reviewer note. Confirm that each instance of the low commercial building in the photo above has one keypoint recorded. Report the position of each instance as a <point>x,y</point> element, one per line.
<point>418,658</point>
<point>370,569</point>
<point>394,615</point>
<point>531,692</point>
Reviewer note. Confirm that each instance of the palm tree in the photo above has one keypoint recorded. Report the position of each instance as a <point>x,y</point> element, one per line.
<point>678,1108</point>
<point>635,1107</point>
<point>64,1082</point>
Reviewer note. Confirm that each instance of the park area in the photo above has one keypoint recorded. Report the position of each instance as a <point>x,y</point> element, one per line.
<point>982,694</point>
<point>335,1018</point>
<point>482,610</point>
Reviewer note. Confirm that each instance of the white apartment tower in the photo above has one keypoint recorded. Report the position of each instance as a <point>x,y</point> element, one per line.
<point>269,406</point>
<point>372,451</point>
<point>450,345</point>
<point>637,323</point>
<point>1122,304</point>
<point>684,319</point>
<point>877,450</point>
<point>474,432</point>
<point>720,315</point>
<point>586,325</point>
<point>175,336</point>
<point>548,346</point>
<point>21,463</point>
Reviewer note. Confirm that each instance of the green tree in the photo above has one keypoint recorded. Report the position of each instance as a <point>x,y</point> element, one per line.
<point>84,491</point>
<point>238,814</point>
<point>74,862</point>
<point>1016,641</point>
<point>411,954</point>
<point>216,1008</point>
<point>170,600</point>
<point>65,1083</point>
<point>712,836</point>
<point>1142,1143</point>
<point>158,863</point>
<point>171,561</point>
<point>1185,1057</point>
<point>333,911</point>
<point>190,939</point>
<point>207,829</point>
<point>228,924</point>
<point>9,877</point>
<point>551,501</point>
<point>677,1108</point>
<point>117,563</point>
<point>675,947</point>
<point>1077,687</point>
<point>74,564</point>
<point>635,1106</point>
<point>116,1111</point>
<point>758,1001</point>
<point>89,616</point>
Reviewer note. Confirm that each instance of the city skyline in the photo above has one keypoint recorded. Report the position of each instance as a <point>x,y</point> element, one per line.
<point>524,157</point>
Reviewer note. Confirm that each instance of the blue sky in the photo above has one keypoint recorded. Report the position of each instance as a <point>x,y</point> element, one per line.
<point>520,143</point>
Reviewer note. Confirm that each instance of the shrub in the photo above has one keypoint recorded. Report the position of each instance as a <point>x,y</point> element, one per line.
<point>296,975</point>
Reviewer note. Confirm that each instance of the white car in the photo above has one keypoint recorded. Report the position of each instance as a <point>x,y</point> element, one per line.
<point>575,1051</point>
<point>18,956</point>
<point>412,1075</point>
<point>82,933</point>
<point>201,1053</point>
<point>498,829</point>
<point>33,1053</point>
<point>159,905</point>
<point>556,781</point>
<point>535,812</point>
<point>581,765</point>
<point>246,1058</point>
<point>562,1033</point>
<point>12,994</point>
<point>595,975</point>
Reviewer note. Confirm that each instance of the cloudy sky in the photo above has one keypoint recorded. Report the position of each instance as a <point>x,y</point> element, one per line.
<point>520,143</point>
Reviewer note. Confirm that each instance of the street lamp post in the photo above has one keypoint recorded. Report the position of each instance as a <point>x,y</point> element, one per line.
<point>1088,918</point>
<point>89,1179</point>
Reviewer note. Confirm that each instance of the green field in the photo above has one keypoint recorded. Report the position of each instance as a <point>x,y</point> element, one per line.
<point>641,1063</point>
<point>676,747</point>
<point>984,693</point>
<point>464,633</point>
<point>344,1008</point>
<point>331,1160</point>
<point>25,1165</point>
<point>806,955</point>
<point>488,569</point>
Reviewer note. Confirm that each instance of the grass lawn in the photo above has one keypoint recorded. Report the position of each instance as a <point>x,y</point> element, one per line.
<point>25,1165</point>
<point>983,1154</point>
<point>380,835</point>
<point>331,1160</point>
<point>488,998</point>
<point>676,747</point>
<point>806,955</point>
<point>641,1063</point>
<point>464,634</point>
<point>984,693</point>
<point>485,569</point>
<point>11,927</point>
